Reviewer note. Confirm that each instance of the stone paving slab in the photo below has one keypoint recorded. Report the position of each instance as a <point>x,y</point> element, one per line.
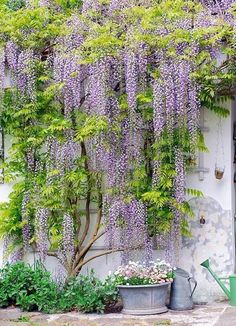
<point>228,318</point>
<point>208,315</point>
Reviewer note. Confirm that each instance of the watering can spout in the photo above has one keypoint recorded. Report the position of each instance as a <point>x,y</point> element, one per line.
<point>206,264</point>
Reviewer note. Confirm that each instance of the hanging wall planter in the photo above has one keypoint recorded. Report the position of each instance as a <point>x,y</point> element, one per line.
<point>219,172</point>
<point>219,166</point>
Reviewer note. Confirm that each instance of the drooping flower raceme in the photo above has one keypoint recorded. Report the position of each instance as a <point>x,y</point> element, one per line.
<point>128,233</point>
<point>2,68</point>
<point>12,256</point>
<point>26,232</point>
<point>68,235</point>
<point>42,232</point>
<point>25,73</point>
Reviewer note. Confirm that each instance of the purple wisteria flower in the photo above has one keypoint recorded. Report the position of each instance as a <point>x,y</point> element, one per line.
<point>159,118</point>
<point>44,3</point>
<point>42,215</point>
<point>26,232</point>
<point>126,227</point>
<point>12,255</point>
<point>12,53</point>
<point>218,5</point>
<point>25,76</point>
<point>2,68</point>
<point>68,235</point>
<point>90,5</point>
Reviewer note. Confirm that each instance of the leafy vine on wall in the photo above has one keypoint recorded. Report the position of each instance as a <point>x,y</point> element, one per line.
<point>103,112</point>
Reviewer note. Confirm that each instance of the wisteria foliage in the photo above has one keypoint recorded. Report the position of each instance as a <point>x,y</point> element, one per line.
<point>106,101</point>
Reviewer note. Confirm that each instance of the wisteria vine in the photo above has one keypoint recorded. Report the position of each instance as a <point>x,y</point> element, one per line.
<point>109,117</point>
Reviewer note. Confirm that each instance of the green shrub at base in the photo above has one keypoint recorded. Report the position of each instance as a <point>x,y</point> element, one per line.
<point>27,287</point>
<point>32,289</point>
<point>88,294</point>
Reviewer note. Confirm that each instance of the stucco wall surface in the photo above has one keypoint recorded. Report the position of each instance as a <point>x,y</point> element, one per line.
<point>212,240</point>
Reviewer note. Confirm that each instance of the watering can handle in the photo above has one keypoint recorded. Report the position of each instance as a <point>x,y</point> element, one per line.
<point>195,285</point>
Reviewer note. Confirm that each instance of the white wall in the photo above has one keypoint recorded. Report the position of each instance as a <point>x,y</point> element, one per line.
<point>216,238</point>
<point>223,191</point>
<point>5,190</point>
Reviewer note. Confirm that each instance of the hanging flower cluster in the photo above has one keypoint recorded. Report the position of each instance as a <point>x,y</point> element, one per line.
<point>125,232</point>
<point>12,255</point>
<point>26,232</point>
<point>68,235</point>
<point>218,5</point>
<point>42,232</point>
<point>2,68</point>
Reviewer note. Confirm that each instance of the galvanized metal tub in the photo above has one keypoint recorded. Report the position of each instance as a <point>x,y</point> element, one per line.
<point>144,299</point>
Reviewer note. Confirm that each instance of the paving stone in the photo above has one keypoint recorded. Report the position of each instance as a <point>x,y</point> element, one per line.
<point>10,313</point>
<point>217,314</point>
<point>228,318</point>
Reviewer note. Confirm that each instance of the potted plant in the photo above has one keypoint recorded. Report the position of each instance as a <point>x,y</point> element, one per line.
<point>144,288</point>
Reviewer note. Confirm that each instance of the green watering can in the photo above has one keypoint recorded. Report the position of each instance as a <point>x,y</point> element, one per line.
<point>231,293</point>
